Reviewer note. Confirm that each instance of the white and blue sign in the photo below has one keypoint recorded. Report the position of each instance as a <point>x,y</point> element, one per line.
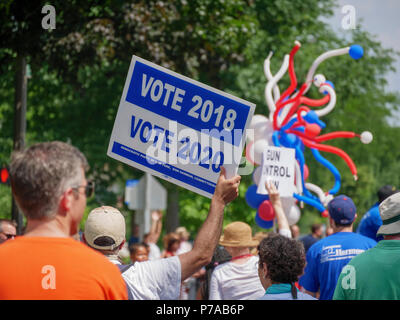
<point>177,128</point>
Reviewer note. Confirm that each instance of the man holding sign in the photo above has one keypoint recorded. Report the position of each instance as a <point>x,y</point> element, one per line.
<point>160,279</point>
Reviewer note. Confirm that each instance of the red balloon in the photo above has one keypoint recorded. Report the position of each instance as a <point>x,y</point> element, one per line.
<point>266,211</point>
<point>306,172</point>
<point>312,130</point>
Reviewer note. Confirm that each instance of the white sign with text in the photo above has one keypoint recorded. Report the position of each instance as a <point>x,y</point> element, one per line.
<point>278,166</point>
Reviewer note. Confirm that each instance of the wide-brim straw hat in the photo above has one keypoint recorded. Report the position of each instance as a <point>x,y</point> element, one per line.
<point>237,234</point>
<point>389,210</point>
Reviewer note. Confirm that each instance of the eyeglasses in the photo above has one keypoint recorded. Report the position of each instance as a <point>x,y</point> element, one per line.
<point>89,188</point>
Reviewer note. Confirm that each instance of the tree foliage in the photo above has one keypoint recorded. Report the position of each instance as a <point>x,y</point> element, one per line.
<point>78,72</point>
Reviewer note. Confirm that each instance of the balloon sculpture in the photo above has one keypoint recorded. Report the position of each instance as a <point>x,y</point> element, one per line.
<point>292,123</point>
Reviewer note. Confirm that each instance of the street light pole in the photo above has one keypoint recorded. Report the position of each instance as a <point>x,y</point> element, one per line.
<point>19,124</point>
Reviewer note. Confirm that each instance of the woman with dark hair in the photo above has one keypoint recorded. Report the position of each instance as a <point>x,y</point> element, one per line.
<point>171,245</point>
<point>281,263</point>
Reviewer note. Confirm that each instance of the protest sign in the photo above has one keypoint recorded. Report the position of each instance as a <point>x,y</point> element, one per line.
<point>278,167</point>
<point>177,128</point>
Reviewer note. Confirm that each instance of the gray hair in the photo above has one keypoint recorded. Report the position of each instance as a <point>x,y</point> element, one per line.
<point>40,174</point>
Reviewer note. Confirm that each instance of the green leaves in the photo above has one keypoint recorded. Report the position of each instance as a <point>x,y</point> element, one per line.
<point>79,69</point>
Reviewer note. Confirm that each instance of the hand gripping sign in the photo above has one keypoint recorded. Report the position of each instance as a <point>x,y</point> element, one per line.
<point>177,128</point>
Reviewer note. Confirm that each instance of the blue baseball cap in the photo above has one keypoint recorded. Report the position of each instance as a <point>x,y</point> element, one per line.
<point>342,209</point>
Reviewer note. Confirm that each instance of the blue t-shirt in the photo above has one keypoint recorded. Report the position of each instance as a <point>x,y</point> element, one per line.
<point>370,223</point>
<point>308,241</point>
<point>327,257</point>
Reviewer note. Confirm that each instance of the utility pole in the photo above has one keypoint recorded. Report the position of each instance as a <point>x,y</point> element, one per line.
<point>19,124</point>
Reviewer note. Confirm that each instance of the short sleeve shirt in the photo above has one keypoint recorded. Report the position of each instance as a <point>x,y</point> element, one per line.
<point>372,275</point>
<point>154,280</point>
<point>370,223</point>
<point>41,268</point>
<point>232,281</point>
<point>327,257</point>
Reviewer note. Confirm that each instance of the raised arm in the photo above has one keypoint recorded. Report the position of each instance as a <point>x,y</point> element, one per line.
<point>275,199</point>
<point>208,236</point>
<point>156,226</point>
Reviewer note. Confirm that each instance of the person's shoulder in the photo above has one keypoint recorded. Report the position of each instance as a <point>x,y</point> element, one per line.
<point>152,265</point>
<point>363,239</point>
<point>221,268</point>
<point>317,246</point>
<point>304,296</point>
<point>90,258</point>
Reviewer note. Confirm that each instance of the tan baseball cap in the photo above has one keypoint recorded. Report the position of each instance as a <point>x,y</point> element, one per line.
<point>389,210</point>
<point>104,222</point>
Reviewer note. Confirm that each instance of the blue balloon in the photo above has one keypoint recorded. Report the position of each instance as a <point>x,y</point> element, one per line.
<point>331,84</point>
<point>289,140</point>
<point>289,124</point>
<point>264,223</point>
<point>331,168</point>
<point>275,139</point>
<point>300,157</point>
<point>356,51</point>
<point>253,198</point>
<point>312,117</point>
<point>312,202</point>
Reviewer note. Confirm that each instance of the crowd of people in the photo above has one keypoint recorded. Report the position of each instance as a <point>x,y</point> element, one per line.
<point>50,261</point>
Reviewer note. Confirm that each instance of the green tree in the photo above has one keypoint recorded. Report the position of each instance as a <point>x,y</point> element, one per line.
<point>78,72</point>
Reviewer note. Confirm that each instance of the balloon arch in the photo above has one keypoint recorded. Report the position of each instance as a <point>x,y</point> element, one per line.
<point>293,123</point>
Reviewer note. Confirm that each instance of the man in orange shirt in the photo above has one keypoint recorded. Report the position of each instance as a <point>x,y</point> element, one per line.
<point>49,185</point>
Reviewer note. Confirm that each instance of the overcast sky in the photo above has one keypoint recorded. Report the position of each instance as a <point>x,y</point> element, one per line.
<point>380,18</point>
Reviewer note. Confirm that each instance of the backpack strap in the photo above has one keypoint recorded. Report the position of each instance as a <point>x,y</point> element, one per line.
<point>124,267</point>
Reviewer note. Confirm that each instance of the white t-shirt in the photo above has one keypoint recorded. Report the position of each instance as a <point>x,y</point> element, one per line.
<point>154,280</point>
<point>184,247</point>
<point>232,281</point>
<point>155,252</point>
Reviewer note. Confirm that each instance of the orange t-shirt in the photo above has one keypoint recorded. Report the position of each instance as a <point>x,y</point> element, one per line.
<point>37,268</point>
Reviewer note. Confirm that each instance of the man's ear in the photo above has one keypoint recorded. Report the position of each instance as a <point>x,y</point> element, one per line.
<point>121,245</point>
<point>331,222</point>
<point>66,201</point>
<point>264,270</point>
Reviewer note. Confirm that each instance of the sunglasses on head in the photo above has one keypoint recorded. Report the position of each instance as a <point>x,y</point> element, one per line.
<point>89,188</point>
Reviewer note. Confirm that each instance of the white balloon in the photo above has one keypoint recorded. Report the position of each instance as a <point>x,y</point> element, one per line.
<point>327,199</point>
<point>265,133</point>
<point>287,203</point>
<point>366,137</point>
<point>293,215</point>
<point>260,128</point>
<point>258,148</point>
<point>257,175</point>
<point>257,120</point>
<point>319,79</point>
